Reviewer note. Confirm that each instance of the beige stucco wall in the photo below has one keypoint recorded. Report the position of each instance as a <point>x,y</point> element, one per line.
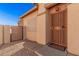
<point>1,35</point>
<point>41,29</point>
<point>48,30</point>
<point>35,25</point>
<point>30,23</point>
<point>73,29</point>
<point>41,8</point>
<point>7,34</point>
<point>41,25</point>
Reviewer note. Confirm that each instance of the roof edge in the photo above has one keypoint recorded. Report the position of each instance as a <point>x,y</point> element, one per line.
<point>50,5</point>
<point>30,11</point>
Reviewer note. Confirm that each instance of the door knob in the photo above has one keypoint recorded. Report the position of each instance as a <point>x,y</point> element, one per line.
<point>63,26</point>
<point>57,28</point>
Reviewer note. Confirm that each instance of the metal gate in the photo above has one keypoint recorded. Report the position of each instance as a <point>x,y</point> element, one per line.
<point>16,33</point>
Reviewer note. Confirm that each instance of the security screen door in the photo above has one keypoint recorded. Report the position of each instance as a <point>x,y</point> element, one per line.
<point>59,28</point>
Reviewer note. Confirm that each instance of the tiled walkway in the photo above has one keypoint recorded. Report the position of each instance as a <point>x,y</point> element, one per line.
<point>28,48</point>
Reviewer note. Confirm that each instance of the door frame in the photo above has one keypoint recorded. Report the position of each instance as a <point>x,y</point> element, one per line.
<point>49,17</point>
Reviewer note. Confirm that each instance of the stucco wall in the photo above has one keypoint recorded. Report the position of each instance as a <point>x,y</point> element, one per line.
<point>73,29</point>
<point>30,23</point>
<point>48,30</point>
<point>1,35</point>
<point>41,8</point>
<point>41,24</point>
<point>41,29</point>
<point>7,34</point>
<point>35,24</point>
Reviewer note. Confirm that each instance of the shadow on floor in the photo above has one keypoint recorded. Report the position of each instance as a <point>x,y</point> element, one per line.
<point>24,52</point>
<point>29,48</point>
<point>16,48</point>
<point>10,44</point>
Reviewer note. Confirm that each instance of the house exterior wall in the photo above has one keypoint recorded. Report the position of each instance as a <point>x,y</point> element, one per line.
<point>73,28</point>
<point>41,29</point>
<point>41,24</point>
<point>48,26</point>
<point>30,24</point>
<point>34,25</point>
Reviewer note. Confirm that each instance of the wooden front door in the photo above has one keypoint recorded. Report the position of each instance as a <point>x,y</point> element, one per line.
<point>59,28</point>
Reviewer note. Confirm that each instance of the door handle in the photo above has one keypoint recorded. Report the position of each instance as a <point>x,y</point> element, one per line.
<point>58,28</point>
<point>63,26</point>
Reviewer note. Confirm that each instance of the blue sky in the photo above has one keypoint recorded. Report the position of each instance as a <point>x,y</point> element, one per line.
<point>10,12</point>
